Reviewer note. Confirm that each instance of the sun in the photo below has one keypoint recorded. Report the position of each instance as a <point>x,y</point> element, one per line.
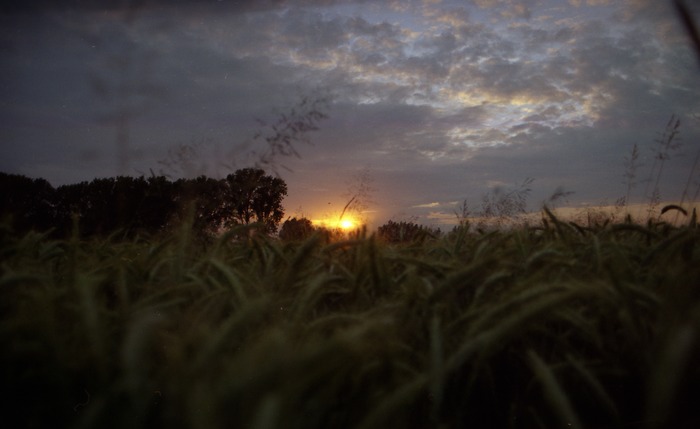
<point>346,224</point>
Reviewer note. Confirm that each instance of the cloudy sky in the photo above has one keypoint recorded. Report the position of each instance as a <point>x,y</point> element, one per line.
<point>430,102</point>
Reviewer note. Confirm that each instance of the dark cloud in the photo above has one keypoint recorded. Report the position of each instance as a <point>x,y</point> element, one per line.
<point>539,39</point>
<point>132,7</point>
<point>440,101</point>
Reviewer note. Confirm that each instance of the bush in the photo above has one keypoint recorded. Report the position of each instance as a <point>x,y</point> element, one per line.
<point>296,229</point>
<point>404,232</point>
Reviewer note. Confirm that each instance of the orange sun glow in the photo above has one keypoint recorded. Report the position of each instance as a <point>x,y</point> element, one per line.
<point>346,223</point>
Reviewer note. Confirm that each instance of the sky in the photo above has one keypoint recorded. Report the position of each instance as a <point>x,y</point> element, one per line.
<point>428,103</point>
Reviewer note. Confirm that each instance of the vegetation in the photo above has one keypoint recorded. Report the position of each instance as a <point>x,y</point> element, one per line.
<point>554,325</point>
<point>500,207</point>
<point>296,229</point>
<point>557,325</point>
<point>131,206</point>
<point>404,232</point>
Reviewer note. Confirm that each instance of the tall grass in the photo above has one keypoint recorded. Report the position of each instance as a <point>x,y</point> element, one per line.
<point>550,326</point>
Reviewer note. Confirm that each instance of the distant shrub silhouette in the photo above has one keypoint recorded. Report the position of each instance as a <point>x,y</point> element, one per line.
<point>404,232</point>
<point>27,203</point>
<point>296,229</point>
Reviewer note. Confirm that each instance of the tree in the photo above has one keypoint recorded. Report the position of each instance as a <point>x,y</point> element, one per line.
<point>252,196</point>
<point>28,202</point>
<point>105,205</point>
<point>137,205</point>
<point>157,206</point>
<point>205,200</point>
<point>404,232</point>
<point>296,229</point>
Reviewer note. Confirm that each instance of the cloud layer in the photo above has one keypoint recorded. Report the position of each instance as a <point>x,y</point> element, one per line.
<point>440,100</point>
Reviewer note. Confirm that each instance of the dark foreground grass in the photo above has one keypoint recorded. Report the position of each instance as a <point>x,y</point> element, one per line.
<point>556,326</point>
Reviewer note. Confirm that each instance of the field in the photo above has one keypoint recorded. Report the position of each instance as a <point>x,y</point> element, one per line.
<point>550,326</point>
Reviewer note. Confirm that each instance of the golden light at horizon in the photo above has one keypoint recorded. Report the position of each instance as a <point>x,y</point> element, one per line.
<point>347,223</point>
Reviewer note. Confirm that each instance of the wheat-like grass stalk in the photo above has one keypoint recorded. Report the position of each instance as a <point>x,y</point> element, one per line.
<point>460,330</point>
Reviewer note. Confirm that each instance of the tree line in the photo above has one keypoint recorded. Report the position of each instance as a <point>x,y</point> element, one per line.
<point>152,205</point>
<point>136,205</point>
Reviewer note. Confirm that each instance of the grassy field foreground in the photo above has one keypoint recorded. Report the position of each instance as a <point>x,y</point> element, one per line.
<point>556,326</point>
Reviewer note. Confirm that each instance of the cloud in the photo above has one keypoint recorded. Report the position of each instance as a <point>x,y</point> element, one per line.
<point>578,3</point>
<point>440,100</point>
<point>426,205</point>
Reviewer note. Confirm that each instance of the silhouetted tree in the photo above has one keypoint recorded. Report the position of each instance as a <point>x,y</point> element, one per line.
<point>252,196</point>
<point>29,203</point>
<point>105,205</point>
<point>404,232</point>
<point>70,202</point>
<point>98,212</point>
<point>296,229</point>
<point>138,205</point>
<point>204,199</point>
<point>158,205</point>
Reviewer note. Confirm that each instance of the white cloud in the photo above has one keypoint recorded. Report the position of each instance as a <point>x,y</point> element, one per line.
<point>426,205</point>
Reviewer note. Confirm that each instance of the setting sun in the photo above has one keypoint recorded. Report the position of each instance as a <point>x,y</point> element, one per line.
<point>346,223</point>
